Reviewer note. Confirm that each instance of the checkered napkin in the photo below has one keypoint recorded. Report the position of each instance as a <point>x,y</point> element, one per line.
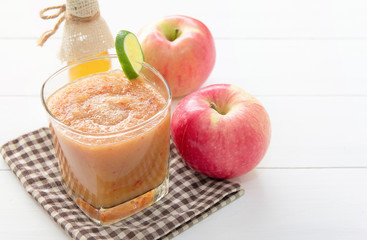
<point>191,197</point>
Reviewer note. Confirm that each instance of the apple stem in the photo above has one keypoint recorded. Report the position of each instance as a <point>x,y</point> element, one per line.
<point>219,110</point>
<point>214,106</point>
<point>175,35</point>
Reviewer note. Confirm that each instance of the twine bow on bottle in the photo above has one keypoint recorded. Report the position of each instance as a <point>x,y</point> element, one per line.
<point>64,16</point>
<point>85,31</point>
<point>61,10</point>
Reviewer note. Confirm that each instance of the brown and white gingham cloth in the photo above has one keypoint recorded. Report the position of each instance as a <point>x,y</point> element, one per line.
<point>191,197</point>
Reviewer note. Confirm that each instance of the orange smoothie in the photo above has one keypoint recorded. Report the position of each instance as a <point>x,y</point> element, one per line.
<point>113,140</point>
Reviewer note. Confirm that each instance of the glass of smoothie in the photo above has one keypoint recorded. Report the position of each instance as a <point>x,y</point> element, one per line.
<point>111,137</point>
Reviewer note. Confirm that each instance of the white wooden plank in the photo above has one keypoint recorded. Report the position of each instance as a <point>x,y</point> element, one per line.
<point>21,216</point>
<point>259,19</point>
<point>23,114</point>
<point>278,204</point>
<point>292,204</point>
<point>20,115</point>
<point>232,19</point>
<point>306,131</point>
<point>293,67</point>
<point>263,67</point>
<point>27,66</point>
<point>316,131</point>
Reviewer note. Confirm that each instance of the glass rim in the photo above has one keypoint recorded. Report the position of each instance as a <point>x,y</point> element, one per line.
<point>108,134</point>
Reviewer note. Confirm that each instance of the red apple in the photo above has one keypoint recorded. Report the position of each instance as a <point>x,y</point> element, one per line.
<point>182,49</point>
<point>221,131</point>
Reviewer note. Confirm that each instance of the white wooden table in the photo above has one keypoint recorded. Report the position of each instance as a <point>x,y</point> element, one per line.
<point>306,61</point>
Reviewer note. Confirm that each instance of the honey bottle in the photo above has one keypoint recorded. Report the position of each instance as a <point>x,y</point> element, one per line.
<point>86,35</point>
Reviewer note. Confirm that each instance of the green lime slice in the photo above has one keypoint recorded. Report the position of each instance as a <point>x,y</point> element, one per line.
<point>130,54</point>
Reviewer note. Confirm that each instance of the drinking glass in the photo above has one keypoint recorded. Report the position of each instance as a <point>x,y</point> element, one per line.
<point>111,176</point>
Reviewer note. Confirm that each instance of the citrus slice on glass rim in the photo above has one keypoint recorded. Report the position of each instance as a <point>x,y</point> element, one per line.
<point>129,53</point>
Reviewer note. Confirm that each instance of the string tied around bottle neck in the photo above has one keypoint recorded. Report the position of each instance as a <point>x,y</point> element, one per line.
<point>63,15</point>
